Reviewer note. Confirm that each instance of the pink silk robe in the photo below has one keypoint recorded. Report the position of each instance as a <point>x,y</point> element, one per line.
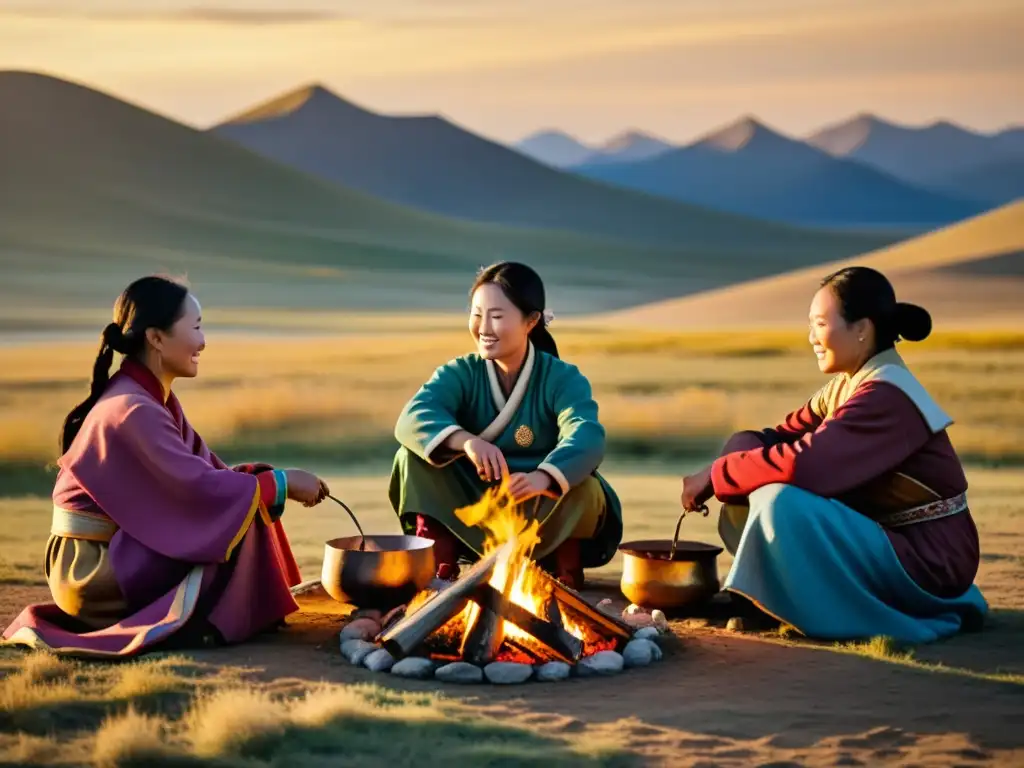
<point>190,530</point>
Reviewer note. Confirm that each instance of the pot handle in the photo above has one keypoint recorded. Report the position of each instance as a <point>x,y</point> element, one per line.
<point>362,541</point>
<point>703,509</point>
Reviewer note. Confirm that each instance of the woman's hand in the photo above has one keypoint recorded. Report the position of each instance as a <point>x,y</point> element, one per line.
<point>526,485</point>
<point>697,489</point>
<point>488,459</point>
<point>305,487</point>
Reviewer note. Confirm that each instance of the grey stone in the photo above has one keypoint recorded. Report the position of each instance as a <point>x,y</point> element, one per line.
<point>379,661</point>
<point>507,672</point>
<point>553,671</point>
<point>360,629</point>
<point>647,633</point>
<point>459,672</point>
<point>660,621</point>
<point>356,650</point>
<point>637,653</point>
<point>601,663</point>
<point>656,653</point>
<point>414,668</point>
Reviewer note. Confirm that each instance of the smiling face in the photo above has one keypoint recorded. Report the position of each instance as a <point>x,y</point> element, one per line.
<point>178,348</point>
<point>498,328</point>
<point>840,347</point>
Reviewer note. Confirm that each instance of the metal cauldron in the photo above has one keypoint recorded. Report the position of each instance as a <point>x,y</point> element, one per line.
<point>380,572</point>
<point>658,573</point>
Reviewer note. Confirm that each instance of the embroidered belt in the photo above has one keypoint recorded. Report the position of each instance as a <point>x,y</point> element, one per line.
<point>931,511</point>
<point>75,524</point>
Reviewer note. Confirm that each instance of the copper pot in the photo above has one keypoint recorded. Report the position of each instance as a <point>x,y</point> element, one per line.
<point>660,573</point>
<point>380,572</point>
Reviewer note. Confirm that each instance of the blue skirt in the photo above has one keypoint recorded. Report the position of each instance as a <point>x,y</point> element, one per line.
<point>832,573</point>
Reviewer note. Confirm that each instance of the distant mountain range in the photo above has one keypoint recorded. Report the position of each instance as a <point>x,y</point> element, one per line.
<point>431,164</point>
<point>95,191</point>
<point>560,150</point>
<point>748,168</point>
<point>947,172</point>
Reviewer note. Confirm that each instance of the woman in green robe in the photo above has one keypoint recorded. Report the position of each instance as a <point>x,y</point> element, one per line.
<point>512,410</point>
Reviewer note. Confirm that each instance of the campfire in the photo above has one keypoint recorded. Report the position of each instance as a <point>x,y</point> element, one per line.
<point>505,608</point>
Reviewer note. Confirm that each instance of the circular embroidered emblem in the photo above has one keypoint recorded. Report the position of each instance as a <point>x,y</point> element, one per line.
<point>524,436</point>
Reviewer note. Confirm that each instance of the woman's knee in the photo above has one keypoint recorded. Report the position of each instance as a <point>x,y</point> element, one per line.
<point>779,501</point>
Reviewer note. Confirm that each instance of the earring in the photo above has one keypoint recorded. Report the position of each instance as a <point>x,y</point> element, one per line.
<point>861,339</point>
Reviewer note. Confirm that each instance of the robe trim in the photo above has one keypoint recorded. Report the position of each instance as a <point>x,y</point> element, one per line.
<point>507,409</point>
<point>77,524</point>
<point>254,507</point>
<point>556,473</point>
<point>437,441</point>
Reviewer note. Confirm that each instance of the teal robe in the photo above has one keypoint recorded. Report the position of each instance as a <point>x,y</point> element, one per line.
<point>548,422</point>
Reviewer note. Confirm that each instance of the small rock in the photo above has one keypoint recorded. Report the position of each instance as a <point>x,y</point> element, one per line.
<point>735,624</point>
<point>553,671</point>
<point>659,620</point>
<point>367,613</point>
<point>379,661</point>
<point>605,606</point>
<point>601,663</point>
<point>637,653</point>
<point>414,668</point>
<point>507,672</point>
<point>356,650</point>
<point>656,653</point>
<point>360,629</point>
<point>638,620</point>
<point>459,672</point>
<point>631,609</point>
<point>647,633</point>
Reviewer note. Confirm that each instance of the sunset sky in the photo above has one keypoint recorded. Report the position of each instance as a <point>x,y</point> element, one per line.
<point>505,68</point>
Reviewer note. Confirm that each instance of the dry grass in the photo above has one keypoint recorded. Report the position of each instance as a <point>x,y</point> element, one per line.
<point>227,718</point>
<point>336,398</point>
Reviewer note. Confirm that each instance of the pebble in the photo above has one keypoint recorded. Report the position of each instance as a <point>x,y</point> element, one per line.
<point>356,650</point>
<point>637,653</point>
<point>553,671</point>
<point>631,609</point>
<point>659,620</point>
<point>459,672</point>
<point>360,629</point>
<point>638,620</point>
<point>379,661</point>
<point>605,606</point>
<point>647,633</point>
<point>735,624</point>
<point>414,668</point>
<point>507,672</point>
<point>367,613</point>
<point>656,653</point>
<point>601,663</point>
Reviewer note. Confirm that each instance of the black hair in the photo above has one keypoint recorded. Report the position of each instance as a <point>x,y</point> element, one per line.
<point>524,288</point>
<point>150,302</point>
<point>867,293</point>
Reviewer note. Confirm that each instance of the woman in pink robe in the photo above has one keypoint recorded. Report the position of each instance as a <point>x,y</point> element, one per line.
<point>154,540</point>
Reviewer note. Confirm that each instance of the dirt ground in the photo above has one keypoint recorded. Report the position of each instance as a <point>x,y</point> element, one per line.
<point>718,697</point>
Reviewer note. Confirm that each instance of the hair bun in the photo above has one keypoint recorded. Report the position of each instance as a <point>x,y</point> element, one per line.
<point>913,323</point>
<point>113,337</point>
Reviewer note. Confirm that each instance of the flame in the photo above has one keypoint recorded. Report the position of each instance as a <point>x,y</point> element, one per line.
<point>516,576</point>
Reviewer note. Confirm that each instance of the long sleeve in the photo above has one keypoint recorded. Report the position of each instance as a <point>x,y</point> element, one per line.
<point>430,417</point>
<point>581,437</point>
<point>141,472</point>
<point>797,424</point>
<point>875,431</point>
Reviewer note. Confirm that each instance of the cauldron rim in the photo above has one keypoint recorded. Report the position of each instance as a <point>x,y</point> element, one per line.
<point>389,542</point>
<point>658,549</point>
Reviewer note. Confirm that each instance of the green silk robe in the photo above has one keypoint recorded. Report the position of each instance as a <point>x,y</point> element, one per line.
<point>549,422</point>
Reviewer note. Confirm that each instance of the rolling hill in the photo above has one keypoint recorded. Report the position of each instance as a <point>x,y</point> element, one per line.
<point>934,156</point>
<point>968,275</point>
<point>750,169</point>
<point>432,164</point>
<point>95,190</point>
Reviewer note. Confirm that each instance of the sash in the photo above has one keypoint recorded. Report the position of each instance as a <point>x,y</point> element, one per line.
<point>88,526</point>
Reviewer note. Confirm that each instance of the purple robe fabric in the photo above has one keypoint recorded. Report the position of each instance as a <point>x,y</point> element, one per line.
<point>181,514</point>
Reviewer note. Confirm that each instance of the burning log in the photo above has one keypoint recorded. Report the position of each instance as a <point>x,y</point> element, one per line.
<point>574,601</point>
<point>559,644</point>
<point>406,635</point>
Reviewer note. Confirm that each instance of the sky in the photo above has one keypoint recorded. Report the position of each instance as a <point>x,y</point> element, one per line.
<point>505,68</point>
